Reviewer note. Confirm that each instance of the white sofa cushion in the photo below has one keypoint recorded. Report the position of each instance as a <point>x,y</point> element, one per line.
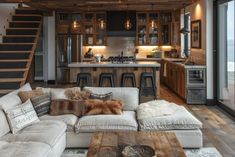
<point>57,93</point>
<point>21,116</point>
<point>48,132</point>
<point>12,99</point>
<point>68,119</point>
<point>4,126</point>
<point>96,123</point>
<point>24,149</point>
<point>129,96</point>
<point>8,101</point>
<point>182,119</point>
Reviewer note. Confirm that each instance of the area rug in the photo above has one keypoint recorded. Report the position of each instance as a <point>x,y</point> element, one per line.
<point>203,152</point>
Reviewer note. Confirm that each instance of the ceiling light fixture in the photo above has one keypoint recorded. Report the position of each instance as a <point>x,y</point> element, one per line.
<point>127,24</point>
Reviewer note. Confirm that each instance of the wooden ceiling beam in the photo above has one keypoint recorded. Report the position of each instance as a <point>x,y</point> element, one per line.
<point>104,5</point>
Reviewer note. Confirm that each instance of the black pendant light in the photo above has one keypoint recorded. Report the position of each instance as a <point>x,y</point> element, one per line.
<point>127,24</point>
<point>184,30</point>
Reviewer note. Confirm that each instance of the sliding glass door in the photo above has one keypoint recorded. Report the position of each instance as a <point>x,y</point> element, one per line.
<point>225,54</point>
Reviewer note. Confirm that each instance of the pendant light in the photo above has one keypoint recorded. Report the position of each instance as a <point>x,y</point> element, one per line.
<point>127,24</point>
<point>184,30</point>
<point>153,23</point>
<point>101,23</point>
<point>75,25</point>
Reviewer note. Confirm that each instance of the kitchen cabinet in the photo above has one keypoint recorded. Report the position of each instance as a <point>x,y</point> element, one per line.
<point>145,34</point>
<point>64,23</point>
<point>94,28</point>
<point>165,32</point>
<point>174,77</point>
<point>165,26</point>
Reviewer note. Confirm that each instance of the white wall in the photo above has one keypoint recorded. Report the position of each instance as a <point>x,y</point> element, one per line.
<point>6,11</point>
<point>49,46</point>
<point>198,12</point>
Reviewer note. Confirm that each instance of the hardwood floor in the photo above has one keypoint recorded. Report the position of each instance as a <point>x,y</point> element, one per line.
<point>218,127</point>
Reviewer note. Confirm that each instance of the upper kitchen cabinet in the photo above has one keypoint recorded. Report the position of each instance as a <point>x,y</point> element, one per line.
<point>94,28</point>
<point>165,25</point>
<point>69,23</point>
<point>62,23</point>
<point>158,28</point>
<point>147,28</point>
<point>175,31</point>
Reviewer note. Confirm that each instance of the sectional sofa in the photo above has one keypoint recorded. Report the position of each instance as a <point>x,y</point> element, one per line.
<point>53,134</point>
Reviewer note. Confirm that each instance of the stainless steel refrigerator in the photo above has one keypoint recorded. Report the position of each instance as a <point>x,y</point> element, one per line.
<point>69,49</point>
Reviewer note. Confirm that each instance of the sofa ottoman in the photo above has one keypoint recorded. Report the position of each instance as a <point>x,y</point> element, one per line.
<point>181,121</point>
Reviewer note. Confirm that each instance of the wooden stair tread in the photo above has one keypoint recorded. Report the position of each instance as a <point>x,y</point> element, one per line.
<point>18,36</point>
<point>13,70</point>
<point>28,15</point>
<point>5,91</point>
<point>25,8</point>
<point>17,43</point>
<point>11,79</point>
<point>25,21</point>
<point>15,51</point>
<point>19,28</point>
<point>14,60</point>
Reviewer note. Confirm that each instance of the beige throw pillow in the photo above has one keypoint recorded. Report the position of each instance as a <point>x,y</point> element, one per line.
<point>21,116</point>
<point>25,95</point>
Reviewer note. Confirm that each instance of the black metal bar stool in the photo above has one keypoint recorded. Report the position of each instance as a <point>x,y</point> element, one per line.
<point>144,88</point>
<point>106,76</point>
<point>126,76</point>
<point>84,79</point>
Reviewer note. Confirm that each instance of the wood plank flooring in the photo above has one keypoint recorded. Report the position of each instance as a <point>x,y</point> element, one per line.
<point>218,127</point>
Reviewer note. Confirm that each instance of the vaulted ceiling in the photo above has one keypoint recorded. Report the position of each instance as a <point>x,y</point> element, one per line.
<point>104,5</point>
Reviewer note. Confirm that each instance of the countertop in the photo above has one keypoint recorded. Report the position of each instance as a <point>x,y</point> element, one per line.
<point>145,59</point>
<point>191,66</point>
<point>113,65</point>
<point>140,62</point>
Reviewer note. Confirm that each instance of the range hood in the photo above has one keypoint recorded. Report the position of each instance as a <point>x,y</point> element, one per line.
<point>116,21</point>
<point>121,34</point>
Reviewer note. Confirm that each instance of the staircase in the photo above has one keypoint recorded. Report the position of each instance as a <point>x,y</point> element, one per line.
<point>18,48</point>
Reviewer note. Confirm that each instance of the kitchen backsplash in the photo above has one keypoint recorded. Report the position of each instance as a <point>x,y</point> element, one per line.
<point>115,45</point>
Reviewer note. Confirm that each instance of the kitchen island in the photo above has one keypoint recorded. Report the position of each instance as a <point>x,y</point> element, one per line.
<point>117,69</point>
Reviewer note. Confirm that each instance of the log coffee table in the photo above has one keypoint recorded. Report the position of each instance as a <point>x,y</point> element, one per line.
<point>165,144</point>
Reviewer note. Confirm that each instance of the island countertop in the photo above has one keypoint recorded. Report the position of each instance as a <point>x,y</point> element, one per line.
<point>136,64</point>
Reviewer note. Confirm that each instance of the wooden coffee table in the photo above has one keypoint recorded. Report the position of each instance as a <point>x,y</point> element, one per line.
<point>165,144</point>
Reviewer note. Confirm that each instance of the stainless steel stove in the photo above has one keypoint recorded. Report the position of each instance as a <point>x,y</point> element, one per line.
<point>121,59</point>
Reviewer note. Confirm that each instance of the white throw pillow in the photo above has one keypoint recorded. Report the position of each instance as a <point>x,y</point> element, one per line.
<point>21,116</point>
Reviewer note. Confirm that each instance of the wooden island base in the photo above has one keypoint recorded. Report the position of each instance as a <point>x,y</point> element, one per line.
<point>117,71</point>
